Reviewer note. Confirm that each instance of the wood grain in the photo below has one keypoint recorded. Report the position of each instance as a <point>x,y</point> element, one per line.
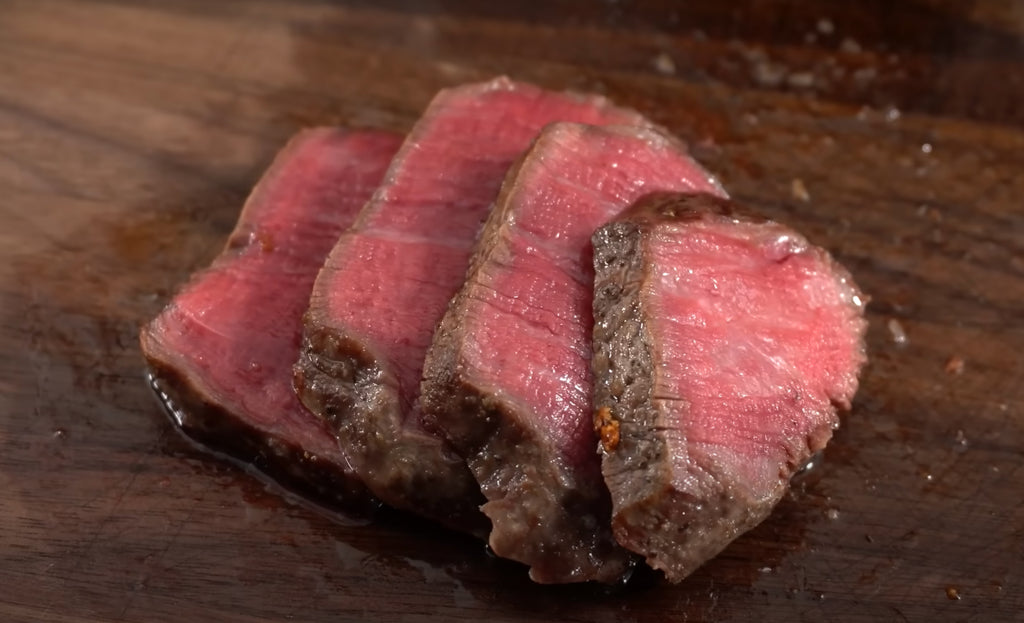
<point>130,133</point>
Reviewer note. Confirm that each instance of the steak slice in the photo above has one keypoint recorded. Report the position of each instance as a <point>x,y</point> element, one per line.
<point>508,375</point>
<point>220,353</point>
<point>723,344</point>
<point>386,284</point>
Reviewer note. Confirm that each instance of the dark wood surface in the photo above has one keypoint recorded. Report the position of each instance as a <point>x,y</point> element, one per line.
<point>130,132</point>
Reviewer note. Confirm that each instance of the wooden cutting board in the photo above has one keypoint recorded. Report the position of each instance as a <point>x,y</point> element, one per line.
<point>130,132</point>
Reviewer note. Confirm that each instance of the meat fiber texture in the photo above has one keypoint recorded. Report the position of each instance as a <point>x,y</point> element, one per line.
<point>386,285</point>
<point>723,345</point>
<point>508,375</point>
<point>220,353</point>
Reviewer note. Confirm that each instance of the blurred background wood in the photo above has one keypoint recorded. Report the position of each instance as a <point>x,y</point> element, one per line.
<point>130,133</point>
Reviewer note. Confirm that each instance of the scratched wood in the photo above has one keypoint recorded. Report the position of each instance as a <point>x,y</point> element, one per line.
<point>130,132</point>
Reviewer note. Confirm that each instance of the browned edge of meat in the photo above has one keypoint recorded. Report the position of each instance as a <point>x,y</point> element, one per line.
<point>501,449</point>
<point>336,375</point>
<point>339,377</point>
<point>221,432</point>
<point>641,514</point>
<point>210,415</point>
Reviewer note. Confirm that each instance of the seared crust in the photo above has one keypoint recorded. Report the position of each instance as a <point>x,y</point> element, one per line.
<point>202,419</point>
<point>677,528</point>
<point>550,516</point>
<point>338,377</point>
<point>202,413</point>
<point>370,396</point>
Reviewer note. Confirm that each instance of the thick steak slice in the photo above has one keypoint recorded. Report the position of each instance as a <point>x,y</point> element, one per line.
<point>221,351</point>
<point>385,286</point>
<point>723,344</point>
<point>508,375</point>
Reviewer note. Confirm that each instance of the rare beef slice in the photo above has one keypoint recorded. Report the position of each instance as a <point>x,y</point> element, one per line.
<point>220,353</point>
<point>386,284</point>
<point>508,378</point>
<point>723,345</point>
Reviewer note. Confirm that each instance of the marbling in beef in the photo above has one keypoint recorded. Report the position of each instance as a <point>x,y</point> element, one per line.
<point>221,352</point>
<point>386,284</point>
<point>723,345</point>
<point>508,375</point>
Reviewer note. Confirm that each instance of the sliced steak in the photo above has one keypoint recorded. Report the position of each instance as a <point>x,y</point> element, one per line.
<point>385,286</point>
<point>221,352</point>
<point>508,375</point>
<point>723,344</point>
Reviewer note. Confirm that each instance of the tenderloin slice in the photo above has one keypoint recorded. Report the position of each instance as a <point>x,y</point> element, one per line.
<point>507,377</point>
<point>723,345</point>
<point>220,353</point>
<point>386,284</point>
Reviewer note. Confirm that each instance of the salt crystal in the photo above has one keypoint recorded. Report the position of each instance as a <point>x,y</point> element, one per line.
<point>801,80</point>
<point>899,336</point>
<point>850,46</point>
<point>664,64</point>
<point>799,190</point>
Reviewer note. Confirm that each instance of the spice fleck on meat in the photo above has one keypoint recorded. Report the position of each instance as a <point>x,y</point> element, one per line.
<point>607,427</point>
